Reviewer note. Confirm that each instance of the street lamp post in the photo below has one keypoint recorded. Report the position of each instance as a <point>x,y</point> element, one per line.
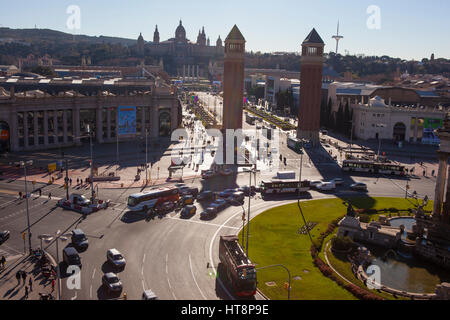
<point>249,206</point>
<point>289,275</point>
<point>300,184</point>
<point>146,156</point>
<point>92,165</point>
<point>24,165</point>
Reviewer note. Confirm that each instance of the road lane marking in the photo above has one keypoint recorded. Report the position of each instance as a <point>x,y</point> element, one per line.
<point>93,273</point>
<point>167,269</point>
<point>171,291</point>
<point>200,222</point>
<point>90,292</point>
<point>193,277</point>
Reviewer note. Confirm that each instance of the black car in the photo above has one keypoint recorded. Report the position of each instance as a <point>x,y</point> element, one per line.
<point>188,211</point>
<point>4,235</point>
<point>79,240</point>
<point>248,190</point>
<point>194,192</point>
<point>208,214</point>
<point>205,196</point>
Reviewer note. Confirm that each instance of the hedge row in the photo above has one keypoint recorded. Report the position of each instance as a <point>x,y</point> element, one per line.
<point>358,292</point>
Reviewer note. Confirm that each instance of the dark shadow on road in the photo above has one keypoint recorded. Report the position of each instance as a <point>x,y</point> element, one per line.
<point>103,294</point>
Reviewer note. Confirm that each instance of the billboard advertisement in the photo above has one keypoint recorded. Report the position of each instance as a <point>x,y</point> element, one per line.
<point>429,136</point>
<point>127,120</point>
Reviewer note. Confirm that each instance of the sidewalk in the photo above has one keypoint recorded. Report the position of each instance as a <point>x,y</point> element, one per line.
<point>11,290</point>
<point>408,149</point>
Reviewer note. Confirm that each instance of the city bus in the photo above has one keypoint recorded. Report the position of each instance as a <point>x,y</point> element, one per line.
<point>373,167</point>
<point>151,199</point>
<point>275,187</point>
<point>295,144</point>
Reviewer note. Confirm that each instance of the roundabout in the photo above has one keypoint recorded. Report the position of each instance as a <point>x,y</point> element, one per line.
<point>275,239</point>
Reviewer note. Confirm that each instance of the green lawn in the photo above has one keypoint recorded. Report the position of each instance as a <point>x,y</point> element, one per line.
<point>274,240</point>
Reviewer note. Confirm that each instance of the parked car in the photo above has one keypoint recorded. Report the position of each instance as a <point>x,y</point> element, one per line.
<point>115,258</point>
<point>207,175</point>
<point>237,197</point>
<point>79,240</point>
<point>4,236</point>
<point>186,200</point>
<point>165,207</point>
<point>188,211</point>
<point>359,186</point>
<point>194,192</point>
<point>112,282</point>
<point>209,213</point>
<point>338,181</point>
<point>80,200</point>
<point>225,194</point>
<point>315,183</point>
<point>205,195</point>
<point>71,257</point>
<point>219,205</point>
<point>326,186</point>
<point>226,172</point>
<point>246,190</point>
<point>183,190</point>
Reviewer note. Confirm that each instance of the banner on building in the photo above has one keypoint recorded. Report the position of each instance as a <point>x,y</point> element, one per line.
<point>127,120</point>
<point>429,135</point>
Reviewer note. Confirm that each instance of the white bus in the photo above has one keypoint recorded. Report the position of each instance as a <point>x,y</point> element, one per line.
<point>149,200</point>
<point>275,187</point>
<point>373,167</point>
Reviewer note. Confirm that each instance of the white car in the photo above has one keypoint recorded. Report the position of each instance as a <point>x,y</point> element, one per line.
<point>315,183</point>
<point>338,181</point>
<point>326,186</point>
<point>115,258</point>
<point>359,186</point>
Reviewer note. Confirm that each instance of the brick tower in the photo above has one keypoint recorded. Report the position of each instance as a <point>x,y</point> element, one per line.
<point>311,87</point>
<point>233,82</point>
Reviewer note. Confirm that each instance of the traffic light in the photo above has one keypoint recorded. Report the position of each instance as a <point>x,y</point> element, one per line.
<point>23,235</point>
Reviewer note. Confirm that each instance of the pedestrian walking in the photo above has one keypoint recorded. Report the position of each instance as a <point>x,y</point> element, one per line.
<point>26,292</point>
<point>20,194</point>
<point>18,277</point>
<point>24,276</point>
<point>3,262</point>
<point>40,192</point>
<point>49,196</point>
<point>78,181</point>
<point>53,285</point>
<point>30,283</point>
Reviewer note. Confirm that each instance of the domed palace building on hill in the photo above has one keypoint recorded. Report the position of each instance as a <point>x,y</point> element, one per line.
<point>180,56</point>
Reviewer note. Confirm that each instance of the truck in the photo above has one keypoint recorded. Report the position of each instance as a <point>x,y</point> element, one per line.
<point>238,270</point>
<point>285,175</point>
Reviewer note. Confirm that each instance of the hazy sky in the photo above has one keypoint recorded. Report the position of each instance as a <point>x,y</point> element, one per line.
<point>408,29</point>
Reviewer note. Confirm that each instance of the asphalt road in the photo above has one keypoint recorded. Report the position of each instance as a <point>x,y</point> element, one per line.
<point>176,258</point>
